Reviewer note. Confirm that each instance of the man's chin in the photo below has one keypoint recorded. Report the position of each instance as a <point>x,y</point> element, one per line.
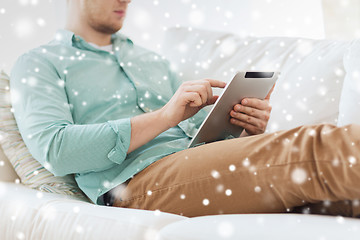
<point>109,29</point>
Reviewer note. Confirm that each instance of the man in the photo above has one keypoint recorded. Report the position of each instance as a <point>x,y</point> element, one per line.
<point>93,104</point>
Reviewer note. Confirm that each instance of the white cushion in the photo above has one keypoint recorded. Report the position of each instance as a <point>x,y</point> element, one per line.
<point>30,214</point>
<point>308,90</point>
<point>263,226</point>
<point>349,111</point>
<point>7,172</point>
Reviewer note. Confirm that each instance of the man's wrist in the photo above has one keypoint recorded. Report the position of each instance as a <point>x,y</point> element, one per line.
<point>163,118</point>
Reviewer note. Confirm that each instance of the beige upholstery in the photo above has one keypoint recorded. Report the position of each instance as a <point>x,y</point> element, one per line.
<point>7,173</point>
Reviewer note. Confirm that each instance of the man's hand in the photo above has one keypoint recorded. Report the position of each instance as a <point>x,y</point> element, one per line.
<point>189,99</point>
<point>252,114</point>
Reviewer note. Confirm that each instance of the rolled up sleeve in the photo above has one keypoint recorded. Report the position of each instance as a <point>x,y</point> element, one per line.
<point>122,128</point>
<point>45,122</point>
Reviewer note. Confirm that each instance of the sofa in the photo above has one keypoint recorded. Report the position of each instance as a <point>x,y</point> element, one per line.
<point>318,83</point>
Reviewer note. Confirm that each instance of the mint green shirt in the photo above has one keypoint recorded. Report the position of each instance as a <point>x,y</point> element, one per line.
<point>73,103</point>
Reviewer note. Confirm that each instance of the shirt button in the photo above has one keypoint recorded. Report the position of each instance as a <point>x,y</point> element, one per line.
<point>137,83</point>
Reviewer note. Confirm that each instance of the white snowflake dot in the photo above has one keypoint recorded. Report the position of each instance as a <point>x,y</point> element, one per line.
<point>147,94</point>
<point>61,83</point>
<point>41,22</point>
<point>20,235</point>
<point>352,160</point>
<point>76,209</point>
<point>340,219</point>
<point>157,212</point>
<point>39,195</point>
<point>246,162</point>
<point>206,202</point>
<point>232,167</point>
<point>215,174</point>
<point>226,230</point>
<point>257,189</point>
<point>220,188</point>
<point>79,229</point>
<point>106,184</point>
<point>312,132</point>
<point>289,117</point>
<point>228,192</point>
<point>298,175</point>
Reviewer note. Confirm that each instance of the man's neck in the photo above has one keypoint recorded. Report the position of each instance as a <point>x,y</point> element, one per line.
<point>90,35</point>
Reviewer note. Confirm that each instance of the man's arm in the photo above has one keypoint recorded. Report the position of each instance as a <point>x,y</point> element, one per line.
<point>45,122</point>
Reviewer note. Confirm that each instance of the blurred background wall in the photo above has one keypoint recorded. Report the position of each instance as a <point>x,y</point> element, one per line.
<point>342,18</point>
<point>25,24</point>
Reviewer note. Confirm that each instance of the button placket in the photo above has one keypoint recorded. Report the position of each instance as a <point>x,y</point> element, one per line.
<point>136,84</point>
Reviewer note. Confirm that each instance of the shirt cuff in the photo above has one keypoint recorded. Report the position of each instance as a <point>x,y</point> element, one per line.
<point>122,129</point>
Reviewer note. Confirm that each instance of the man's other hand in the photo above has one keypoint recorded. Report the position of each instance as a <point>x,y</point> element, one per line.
<point>252,114</point>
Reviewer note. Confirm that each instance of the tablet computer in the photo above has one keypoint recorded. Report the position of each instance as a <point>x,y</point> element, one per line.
<point>216,125</point>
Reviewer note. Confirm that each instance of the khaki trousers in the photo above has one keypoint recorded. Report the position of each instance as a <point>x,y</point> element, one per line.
<point>310,169</point>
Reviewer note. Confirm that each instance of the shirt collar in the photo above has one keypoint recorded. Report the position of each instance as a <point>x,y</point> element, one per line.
<point>67,37</point>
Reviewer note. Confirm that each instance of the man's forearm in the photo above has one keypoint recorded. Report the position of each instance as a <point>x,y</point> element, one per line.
<point>190,97</point>
<point>146,127</point>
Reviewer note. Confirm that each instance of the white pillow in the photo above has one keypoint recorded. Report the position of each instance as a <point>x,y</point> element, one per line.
<point>308,90</point>
<point>349,111</point>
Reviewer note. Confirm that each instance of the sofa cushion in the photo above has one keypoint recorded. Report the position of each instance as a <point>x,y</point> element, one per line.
<point>350,95</point>
<point>30,171</point>
<point>29,214</point>
<point>7,173</point>
<point>312,71</point>
<point>263,226</point>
